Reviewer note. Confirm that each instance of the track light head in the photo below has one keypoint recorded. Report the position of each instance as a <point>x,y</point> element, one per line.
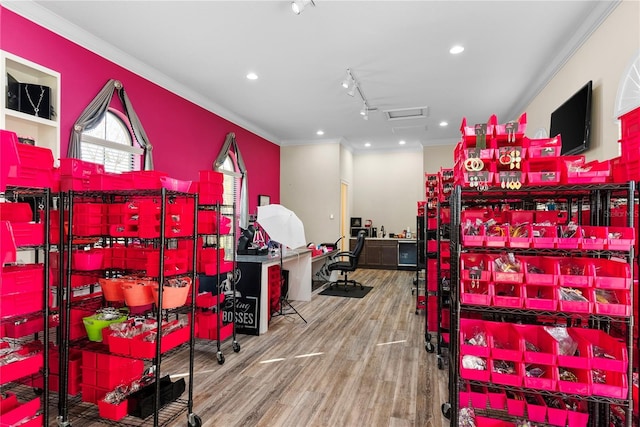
<point>298,6</point>
<point>352,89</point>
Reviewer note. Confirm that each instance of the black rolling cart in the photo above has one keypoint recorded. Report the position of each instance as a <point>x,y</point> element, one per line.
<point>165,239</point>
<point>24,232</point>
<point>444,258</point>
<point>222,286</point>
<point>595,389</point>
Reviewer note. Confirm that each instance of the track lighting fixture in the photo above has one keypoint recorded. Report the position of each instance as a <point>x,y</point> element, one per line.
<point>298,6</point>
<point>351,83</point>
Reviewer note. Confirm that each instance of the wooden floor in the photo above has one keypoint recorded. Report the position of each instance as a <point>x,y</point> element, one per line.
<point>357,362</point>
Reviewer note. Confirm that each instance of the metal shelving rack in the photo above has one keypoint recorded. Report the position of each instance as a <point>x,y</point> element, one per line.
<point>599,197</point>
<point>228,211</point>
<point>443,234</point>
<point>161,415</point>
<point>43,195</point>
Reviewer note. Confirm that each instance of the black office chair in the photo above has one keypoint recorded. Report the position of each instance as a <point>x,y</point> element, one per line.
<point>350,264</point>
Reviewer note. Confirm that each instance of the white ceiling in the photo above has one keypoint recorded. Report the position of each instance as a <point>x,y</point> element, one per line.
<point>398,51</point>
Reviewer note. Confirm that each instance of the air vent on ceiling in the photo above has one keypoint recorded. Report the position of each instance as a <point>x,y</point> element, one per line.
<point>407,113</point>
<point>408,129</point>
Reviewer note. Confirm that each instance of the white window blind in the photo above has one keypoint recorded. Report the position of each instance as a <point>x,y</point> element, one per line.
<point>110,144</point>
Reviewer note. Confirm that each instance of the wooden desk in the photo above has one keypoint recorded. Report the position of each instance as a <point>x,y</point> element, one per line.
<point>253,285</point>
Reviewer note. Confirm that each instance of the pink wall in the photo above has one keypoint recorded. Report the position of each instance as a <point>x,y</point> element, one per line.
<point>186,138</point>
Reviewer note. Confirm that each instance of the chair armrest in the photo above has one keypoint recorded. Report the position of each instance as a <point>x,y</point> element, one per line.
<point>341,254</point>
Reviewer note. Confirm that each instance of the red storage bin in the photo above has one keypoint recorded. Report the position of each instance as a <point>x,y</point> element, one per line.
<point>145,180</point>
<point>543,171</point>
<point>601,344</point>
<point>593,237</point>
<point>569,237</point>
<point>515,404</point>
<point>173,184</point>
<point>212,177</point>
<point>111,182</point>
<point>474,337</point>
<point>611,274</point>
<point>474,374</point>
<point>514,275</point>
<point>474,396</point>
<point>496,236</point>
<point>576,272</point>
<point>581,386</point>
<point>551,217</point>
<point>544,379</point>
<point>497,399</point>
<point>620,238</point>
<point>88,260</point>
<point>557,416</point>
<point>9,159</point>
<point>536,408</point>
<point>77,168</point>
<point>519,236</point>
<point>538,346</point>
<point>24,326</point>
<point>7,243</point>
<point>504,342</point>
<point>573,305</point>
<point>21,368</point>
<point>475,292</point>
<point>545,147</point>
<point>615,385</point>
<point>511,131</point>
<point>475,267</point>
<point>541,271</point>
<point>509,295</point>
<point>35,169</point>
<point>538,297</point>
<point>143,348</point>
<point>21,278</point>
<point>20,303</point>
<point>500,377</point>
<point>575,356</point>
<point>13,413</point>
<point>612,302</point>
<point>579,417</point>
<point>112,411</point>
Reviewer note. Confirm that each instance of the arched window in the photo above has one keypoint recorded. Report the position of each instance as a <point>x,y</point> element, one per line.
<point>111,144</point>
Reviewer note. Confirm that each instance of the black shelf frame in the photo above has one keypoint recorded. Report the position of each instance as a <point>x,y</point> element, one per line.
<point>65,404</point>
<point>599,197</point>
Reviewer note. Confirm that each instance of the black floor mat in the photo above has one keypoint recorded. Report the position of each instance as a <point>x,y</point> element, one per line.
<point>350,292</point>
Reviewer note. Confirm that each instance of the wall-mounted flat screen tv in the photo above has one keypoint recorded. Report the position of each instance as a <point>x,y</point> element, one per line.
<point>572,120</point>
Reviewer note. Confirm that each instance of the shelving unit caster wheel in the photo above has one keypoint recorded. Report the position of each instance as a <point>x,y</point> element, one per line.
<point>446,410</point>
<point>428,337</point>
<point>416,311</point>
<point>194,421</point>
<point>38,391</point>
<point>236,346</point>
<point>440,363</point>
<point>430,348</point>
<point>220,357</point>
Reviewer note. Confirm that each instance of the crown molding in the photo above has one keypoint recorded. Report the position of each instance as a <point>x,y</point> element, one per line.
<point>49,20</point>
<point>598,15</point>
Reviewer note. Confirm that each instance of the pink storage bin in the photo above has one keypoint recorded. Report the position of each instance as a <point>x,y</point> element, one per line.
<point>504,342</point>
<point>520,236</point>
<point>211,177</point>
<point>619,302</point>
<point>14,413</point>
<point>535,337</point>
<point>543,171</point>
<point>552,217</point>
<point>572,305</point>
<point>620,238</point>
<point>145,180</point>
<point>507,277</point>
<point>578,418</point>
<point>581,387</point>
<point>515,404</point>
<point>580,358</point>
<point>497,399</point>
<point>9,159</point>
<point>111,182</point>
<point>615,386</point>
<point>611,346</point>
<point>576,171</point>
<point>475,292</point>
<point>538,297</point>
<point>473,396</point>
<point>546,381</point>
<point>497,377</point>
<point>469,132</point>
<point>515,218</point>
<point>566,242</point>
<point>475,267</point>
<point>507,295</point>
<point>611,274</point>
<point>541,271</point>
<point>87,260</point>
<point>175,184</point>
<point>210,194</point>
<point>557,416</point>
<point>36,167</point>
<point>7,243</point>
<point>511,131</point>
<point>76,168</point>
<point>593,237</point>
<point>474,337</point>
<point>536,408</point>
<point>499,240</point>
<point>474,374</point>
<point>21,278</point>
<point>545,147</point>
<point>576,272</point>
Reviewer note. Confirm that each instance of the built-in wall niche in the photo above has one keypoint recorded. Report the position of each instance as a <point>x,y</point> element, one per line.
<point>44,131</point>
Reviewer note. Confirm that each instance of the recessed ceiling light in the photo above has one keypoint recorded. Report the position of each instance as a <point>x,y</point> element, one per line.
<point>252,76</point>
<point>443,123</point>
<point>456,50</point>
<point>402,142</point>
<point>367,144</point>
<point>320,132</point>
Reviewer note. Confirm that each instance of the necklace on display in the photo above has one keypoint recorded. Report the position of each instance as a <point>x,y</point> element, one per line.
<point>36,108</point>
